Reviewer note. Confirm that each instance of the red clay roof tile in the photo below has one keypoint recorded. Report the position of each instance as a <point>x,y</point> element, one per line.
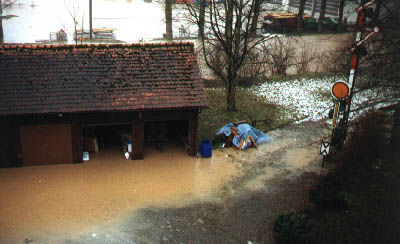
<point>61,78</point>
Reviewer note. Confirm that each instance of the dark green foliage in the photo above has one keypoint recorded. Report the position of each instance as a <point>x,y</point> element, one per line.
<point>366,142</point>
<point>328,193</point>
<point>366,180</point>
<point>311,25</point>
<point>292,227</point>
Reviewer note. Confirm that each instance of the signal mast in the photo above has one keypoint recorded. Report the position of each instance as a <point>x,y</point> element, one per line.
<point>342,92</point>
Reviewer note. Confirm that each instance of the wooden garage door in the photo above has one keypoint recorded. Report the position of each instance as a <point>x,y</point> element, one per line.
<point>46,144</point>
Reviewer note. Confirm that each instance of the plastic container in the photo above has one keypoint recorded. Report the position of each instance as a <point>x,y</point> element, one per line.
<point>205,149</point>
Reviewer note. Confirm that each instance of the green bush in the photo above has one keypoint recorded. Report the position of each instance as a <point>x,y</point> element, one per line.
<point>328,194</point>
<point>366,142</point>
<point>312,24</point>
<point>292,227</point>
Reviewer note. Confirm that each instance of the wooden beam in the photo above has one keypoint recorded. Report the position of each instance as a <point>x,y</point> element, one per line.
<point>241,144</point>
<point>253,142</point>
<point>240,122</point>
<point>168,115</point>
<point>137,138</point>
<point>77,142</point>
<point>193,122</point>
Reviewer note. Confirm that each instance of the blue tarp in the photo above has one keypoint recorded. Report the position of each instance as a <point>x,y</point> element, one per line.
<point>244,130</point>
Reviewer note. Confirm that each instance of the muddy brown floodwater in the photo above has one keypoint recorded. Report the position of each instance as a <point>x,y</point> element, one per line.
<point>46,204</point>
<point>167,198</point>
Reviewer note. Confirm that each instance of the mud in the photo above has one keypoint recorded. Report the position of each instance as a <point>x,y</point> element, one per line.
<point>166,198</point>
<point>271,179</point>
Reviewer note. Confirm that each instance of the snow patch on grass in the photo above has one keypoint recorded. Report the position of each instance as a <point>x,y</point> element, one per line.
<point>309,99</point>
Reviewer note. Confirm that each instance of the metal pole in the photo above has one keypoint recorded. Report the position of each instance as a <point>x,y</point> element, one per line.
<point>339,131</point>
<point>90,20</point>
<point>1,23</point>
<point>355,59</point>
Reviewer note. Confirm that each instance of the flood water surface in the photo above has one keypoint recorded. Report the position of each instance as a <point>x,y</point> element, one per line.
<point>68,198</point>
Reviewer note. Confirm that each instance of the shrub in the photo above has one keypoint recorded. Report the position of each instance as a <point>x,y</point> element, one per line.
<point>292,227</point>
<point>328,193</point>
<point>366,142</point>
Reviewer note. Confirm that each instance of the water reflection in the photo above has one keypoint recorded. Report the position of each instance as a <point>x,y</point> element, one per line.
<point>134,20</point>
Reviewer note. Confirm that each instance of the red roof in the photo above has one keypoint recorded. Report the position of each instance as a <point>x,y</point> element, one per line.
<point>62,78</point>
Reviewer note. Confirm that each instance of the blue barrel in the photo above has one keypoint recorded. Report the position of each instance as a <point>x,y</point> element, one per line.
<point>205,149</point>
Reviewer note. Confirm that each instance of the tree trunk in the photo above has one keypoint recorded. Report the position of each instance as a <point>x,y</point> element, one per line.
<point>377,12</point>
<point>314,3</point>
<point>1,23</point>
<point>90,21</point>
<point>300,14</point>
<point>1,32</point>
<point>230,88</point>
<point>76,32</point>
<point>229,22</point>
<point>321,16</point>
<point>231,97</point>
<point>340,21</point>
<point>168,20</point>
<point>201,18</point>
<point>256,15</point>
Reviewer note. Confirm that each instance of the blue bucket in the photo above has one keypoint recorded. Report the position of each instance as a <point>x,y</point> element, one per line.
<point>205,149</point>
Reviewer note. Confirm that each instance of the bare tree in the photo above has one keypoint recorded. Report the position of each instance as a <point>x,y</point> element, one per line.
<point>340,20</point>
<point>300,14</point>
<point>168,20</point>
<point>74,13</point>
<point>168,6</point>
<point>313,6</point>
<point>202,13</point>
<point>1,23</point>
<point>3,6</point>
<point>321,16</point>
<point>379,66</point>
<point>382,63</point>
<point>281,55</point>
<point>227,40</point>
<point>256,15</point>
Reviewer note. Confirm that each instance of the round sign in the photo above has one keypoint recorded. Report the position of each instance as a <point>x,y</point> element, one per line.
<point>340,90</point>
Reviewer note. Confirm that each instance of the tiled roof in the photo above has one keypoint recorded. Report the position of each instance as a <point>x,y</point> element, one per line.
<point>60,79</point>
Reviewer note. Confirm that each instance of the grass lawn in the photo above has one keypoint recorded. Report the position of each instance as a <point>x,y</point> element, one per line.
<point>262,115</point>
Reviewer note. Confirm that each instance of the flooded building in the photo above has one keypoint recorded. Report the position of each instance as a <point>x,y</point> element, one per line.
<point>52,98</point>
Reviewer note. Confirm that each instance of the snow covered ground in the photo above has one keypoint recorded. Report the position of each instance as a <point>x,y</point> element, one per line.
<point>310,99</point>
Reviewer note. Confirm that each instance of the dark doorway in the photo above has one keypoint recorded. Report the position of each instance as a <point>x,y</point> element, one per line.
<point>160,133</point>
<point>106,137</point>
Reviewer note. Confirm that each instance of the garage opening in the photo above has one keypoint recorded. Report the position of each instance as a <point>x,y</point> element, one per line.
<point>96,138</point>
<point>115,140</point>
<point>163,135</point>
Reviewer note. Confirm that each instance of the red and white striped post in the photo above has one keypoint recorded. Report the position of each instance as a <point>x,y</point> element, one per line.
<point>339,129</point>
